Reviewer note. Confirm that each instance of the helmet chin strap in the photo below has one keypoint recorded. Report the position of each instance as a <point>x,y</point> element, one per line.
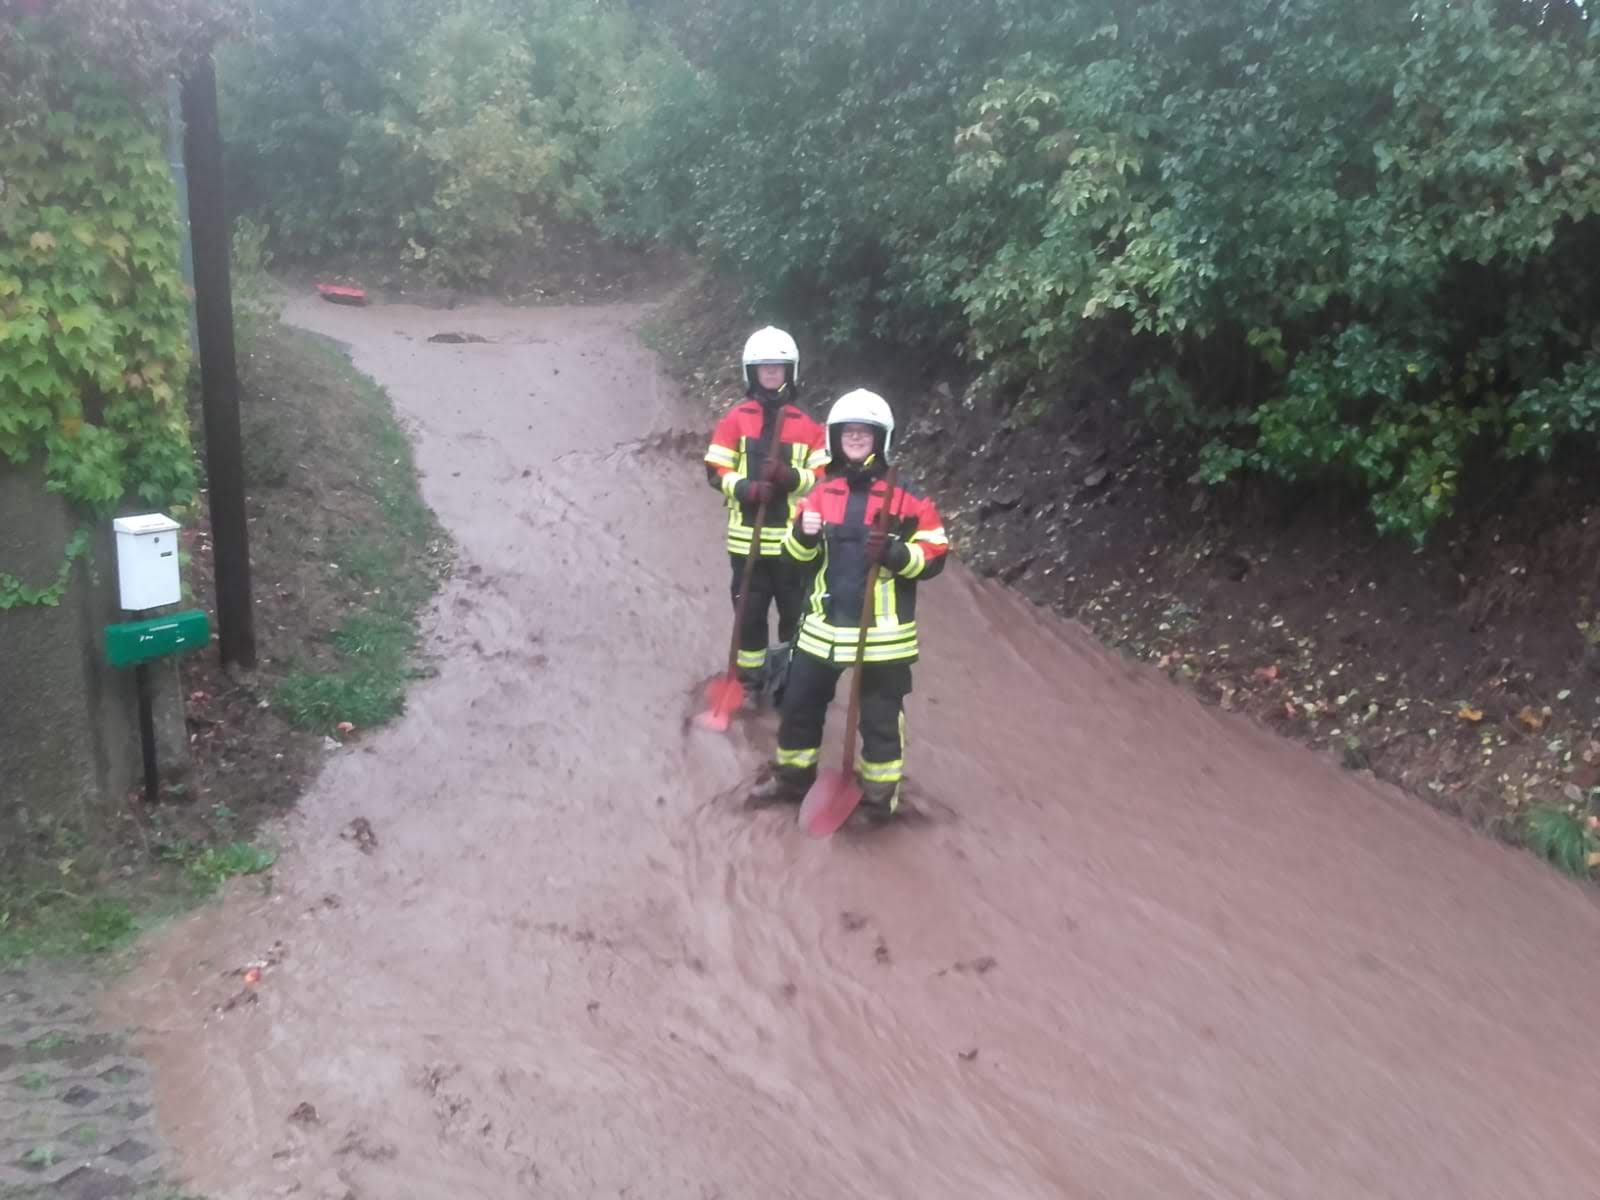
<point>866,466</point>
<point>776,393</point>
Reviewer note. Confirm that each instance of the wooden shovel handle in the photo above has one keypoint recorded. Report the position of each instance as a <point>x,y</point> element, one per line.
<point>852,719</point>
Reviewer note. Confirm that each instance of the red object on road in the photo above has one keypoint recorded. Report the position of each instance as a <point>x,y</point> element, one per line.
<point>338,293</point>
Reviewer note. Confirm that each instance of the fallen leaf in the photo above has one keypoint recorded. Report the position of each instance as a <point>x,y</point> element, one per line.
<point>1268,674</point>
<point>1469,714</point>
<point>1594,858</point>
<point>1531,717</point>
<point>345,727</point>
<point>252,976</point>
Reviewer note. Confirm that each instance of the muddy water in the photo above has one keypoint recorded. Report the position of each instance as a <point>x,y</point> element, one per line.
<point>1132,948</point>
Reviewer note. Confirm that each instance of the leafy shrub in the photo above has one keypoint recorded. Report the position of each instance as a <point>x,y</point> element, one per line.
<point>1348,241</point>
<point>451,133</point>
<point>256,304</point>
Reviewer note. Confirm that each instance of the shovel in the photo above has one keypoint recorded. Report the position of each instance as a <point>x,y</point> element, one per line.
<point>835,794</point>
<point>725,693</point>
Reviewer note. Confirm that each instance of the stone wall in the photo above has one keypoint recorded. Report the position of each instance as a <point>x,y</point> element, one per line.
<point>69,733</point>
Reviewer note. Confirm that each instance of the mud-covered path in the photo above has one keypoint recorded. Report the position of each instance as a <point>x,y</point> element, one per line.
<point>1134,949</point>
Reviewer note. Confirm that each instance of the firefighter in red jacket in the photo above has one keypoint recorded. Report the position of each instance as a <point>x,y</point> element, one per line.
<point>833,535</point>
<point>766,450</point>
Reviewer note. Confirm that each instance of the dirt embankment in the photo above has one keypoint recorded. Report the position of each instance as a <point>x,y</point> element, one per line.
<point>1468,673</point>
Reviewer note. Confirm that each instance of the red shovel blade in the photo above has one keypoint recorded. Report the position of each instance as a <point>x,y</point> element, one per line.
<point>724,695</point>
<point>829,803</point>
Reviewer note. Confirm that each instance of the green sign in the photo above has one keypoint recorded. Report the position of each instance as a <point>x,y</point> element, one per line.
<point>139,641</point>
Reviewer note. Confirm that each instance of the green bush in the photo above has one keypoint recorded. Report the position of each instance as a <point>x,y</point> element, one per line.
<point>256,303</point>
<point>1349,243</point>
<point>450,133</point>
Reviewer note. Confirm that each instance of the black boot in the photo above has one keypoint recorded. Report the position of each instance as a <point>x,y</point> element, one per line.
<point>783,785</point>
<point>755,688</point>
<point>777,671</point>
<point>880,801</point>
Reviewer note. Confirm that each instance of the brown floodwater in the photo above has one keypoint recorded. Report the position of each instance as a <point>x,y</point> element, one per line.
<point>1127,946</point>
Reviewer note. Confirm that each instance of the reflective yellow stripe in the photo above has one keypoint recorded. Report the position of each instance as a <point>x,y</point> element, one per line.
<point>739,543</point>
<point>808,480</point>
<point>752,660</point>
<point>730,481</point>
<point>883,602</point>
<point>837,644</point>
<point>819,585</point>
<point>798,550</point>
<point>721,456</point>
<point>773,534</point>
<point>936,536</point>
<point>819,458</point>
<point>918,561</point>
<point>876,634</point>
<point>886,772</point>
<point>880,654</point>
<point>798,758</point>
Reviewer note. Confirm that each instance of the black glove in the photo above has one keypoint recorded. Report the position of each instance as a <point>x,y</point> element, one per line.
<point>780,474</point>
<point>752,491</point>
<point>886,549</point>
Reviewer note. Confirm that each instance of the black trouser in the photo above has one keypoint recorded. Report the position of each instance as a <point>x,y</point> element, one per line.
<point>773,580</point>
<point>884,687</point>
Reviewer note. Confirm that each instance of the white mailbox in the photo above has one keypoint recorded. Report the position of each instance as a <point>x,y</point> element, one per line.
<point>147,561</point>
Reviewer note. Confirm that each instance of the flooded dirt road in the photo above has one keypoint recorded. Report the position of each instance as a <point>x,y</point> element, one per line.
<point>529,942</point>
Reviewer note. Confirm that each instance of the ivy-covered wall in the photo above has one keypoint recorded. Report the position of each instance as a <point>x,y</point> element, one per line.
<point>93,379</point>
<point>93,312</point>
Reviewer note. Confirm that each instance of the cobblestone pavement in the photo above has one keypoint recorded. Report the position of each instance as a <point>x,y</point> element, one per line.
<point>76,1108</point>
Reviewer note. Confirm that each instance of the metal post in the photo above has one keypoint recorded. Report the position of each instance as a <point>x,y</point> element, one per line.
<point>180,176</point>
<point>147,734</point>
<point>219,374</point>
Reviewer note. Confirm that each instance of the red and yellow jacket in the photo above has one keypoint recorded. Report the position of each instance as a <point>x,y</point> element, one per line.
<point>739,447</point>
<point>916,550</point>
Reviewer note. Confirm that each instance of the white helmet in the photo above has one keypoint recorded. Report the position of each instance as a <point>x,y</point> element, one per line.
<point>768,345</point>
<point>860,407</point>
